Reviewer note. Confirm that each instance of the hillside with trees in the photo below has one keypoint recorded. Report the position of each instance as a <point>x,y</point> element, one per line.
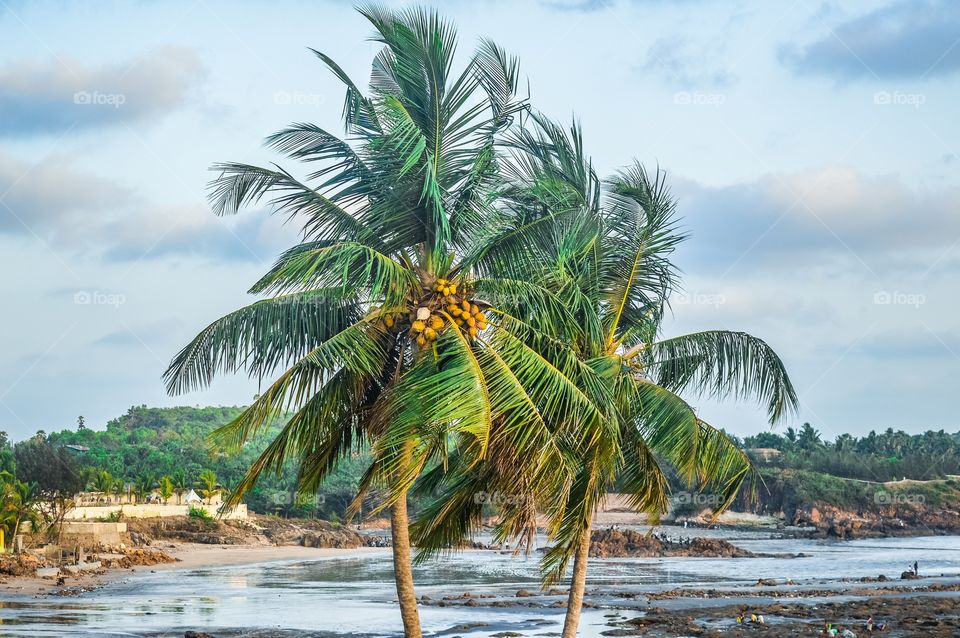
<point>168,450</point>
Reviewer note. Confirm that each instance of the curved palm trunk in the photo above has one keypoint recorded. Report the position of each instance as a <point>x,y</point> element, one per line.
<point>577,585</point>
<point>403,569</point>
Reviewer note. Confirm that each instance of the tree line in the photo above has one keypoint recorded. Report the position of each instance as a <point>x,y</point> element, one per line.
<point>885,456</point>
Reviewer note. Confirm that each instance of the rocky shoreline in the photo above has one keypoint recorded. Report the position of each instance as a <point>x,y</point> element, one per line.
<point>629,543</point>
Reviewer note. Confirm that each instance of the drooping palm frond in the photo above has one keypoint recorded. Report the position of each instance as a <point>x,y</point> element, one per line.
<point>260,337</point>
<point>721,364</point>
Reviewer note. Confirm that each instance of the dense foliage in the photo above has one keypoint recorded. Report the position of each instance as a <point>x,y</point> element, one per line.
<point>147,445</point>
<point>891,455</point>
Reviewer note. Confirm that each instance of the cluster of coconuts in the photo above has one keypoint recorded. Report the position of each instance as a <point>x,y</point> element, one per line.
<point>427,324</point>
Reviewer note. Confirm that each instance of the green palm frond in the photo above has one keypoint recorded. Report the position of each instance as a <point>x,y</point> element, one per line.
<point>260,337</point>
<point>722,364</point>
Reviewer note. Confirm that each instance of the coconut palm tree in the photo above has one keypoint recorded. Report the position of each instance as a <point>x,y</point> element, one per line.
<point>18,504</point>
<point>143,486</point>
<point>381,331</point>
<point>604,250</point>
<point>166,489</point>
<point>179,481</point>
<point>209,485</point>
<point>120,488</point>
<point>103,482</point>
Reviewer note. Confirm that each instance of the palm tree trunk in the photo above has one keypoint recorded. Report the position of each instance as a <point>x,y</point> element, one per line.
<point>578,583</point>
<point>403,569</point>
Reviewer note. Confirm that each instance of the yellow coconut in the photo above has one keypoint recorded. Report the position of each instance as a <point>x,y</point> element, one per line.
<point>419,325</point>
<point>436,322</point>
<point>430,334</point>
<point>466,305</point>
<point>388,320</point>
<point>473,331</point>
<point>471,321</point>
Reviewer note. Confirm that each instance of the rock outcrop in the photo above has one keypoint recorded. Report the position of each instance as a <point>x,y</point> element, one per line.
<point>616,543</point>
<point>891,520</point>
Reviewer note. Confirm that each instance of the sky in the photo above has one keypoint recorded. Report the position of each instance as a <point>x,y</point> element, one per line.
<point>813,147</point>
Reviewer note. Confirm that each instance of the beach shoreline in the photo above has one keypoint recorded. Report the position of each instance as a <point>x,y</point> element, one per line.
<point>187,556</point>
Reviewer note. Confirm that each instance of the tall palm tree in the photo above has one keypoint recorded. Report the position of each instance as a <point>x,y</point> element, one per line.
<point>103,482</point>
<point>166,489</point>
<point>209,485</point>
<point>18,504</point>
<point>604,252</point>
<point>381,330</point>
<point>179,481</point>
<point>120,488</point>
<point>144,486</point>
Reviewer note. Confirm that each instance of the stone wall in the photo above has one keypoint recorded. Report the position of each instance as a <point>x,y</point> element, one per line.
<point>93,513</point>
<point>90,534</point>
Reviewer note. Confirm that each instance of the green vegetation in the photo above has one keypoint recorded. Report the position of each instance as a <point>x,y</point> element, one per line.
<point>888,456</point>
<point>172,444</point>
<point>199,513</point>
<point>785,490</point>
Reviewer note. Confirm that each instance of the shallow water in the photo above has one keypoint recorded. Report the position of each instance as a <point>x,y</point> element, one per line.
<point>355,595</point>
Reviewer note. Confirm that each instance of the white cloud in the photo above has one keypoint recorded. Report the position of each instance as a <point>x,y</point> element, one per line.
<point>62,93</point>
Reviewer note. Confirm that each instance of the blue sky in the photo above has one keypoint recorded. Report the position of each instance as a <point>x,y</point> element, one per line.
<point>813,146</point>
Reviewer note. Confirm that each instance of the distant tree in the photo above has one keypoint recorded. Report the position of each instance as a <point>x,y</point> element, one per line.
<point>165,485</point>
<point>143,486</point>
<point>119,487</point>
<point>765,439</point>
<point>18,504</point>
<point>209,487</point>
<point>54,469</point>
<point>103,482</point>
<point>81,424</point>
<point>809,437</point>
<point>179,482</point>
<point>57,474</point>
<point>7,463</point>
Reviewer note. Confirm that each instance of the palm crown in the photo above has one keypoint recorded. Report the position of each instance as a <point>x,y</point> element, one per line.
<point>603,250</point>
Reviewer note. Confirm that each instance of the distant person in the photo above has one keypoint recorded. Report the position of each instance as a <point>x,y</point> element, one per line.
<point>873,626</point>
<point>916,571</point>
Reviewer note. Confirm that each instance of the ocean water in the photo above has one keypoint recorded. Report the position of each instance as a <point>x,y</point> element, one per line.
<point>355,596</point>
